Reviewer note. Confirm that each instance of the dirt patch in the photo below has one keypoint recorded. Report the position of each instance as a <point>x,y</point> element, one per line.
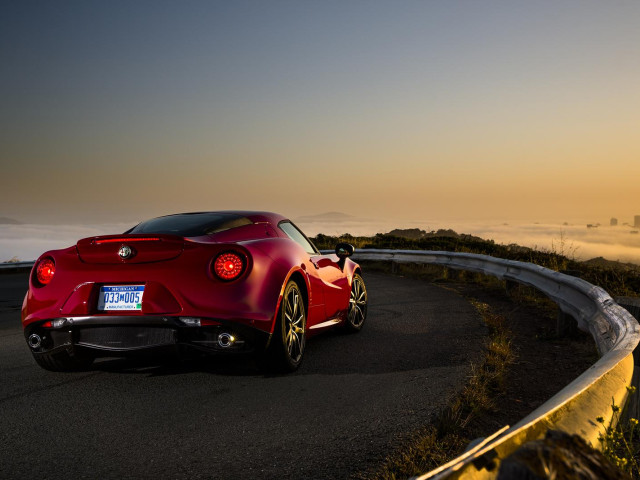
<point>544,363</point>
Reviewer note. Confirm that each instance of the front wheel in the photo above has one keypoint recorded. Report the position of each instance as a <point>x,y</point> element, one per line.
<point>289,335</point>
<point>357,313</point>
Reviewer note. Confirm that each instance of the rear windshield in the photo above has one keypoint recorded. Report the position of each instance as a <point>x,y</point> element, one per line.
<point>191,224</point>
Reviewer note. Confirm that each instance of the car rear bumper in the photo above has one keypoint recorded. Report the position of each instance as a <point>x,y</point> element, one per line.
<point>122,335</point>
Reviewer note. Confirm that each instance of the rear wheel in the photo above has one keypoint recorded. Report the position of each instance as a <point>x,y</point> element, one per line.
<point>63,361</point>
<point>289,336</point>
<point>357,313</point>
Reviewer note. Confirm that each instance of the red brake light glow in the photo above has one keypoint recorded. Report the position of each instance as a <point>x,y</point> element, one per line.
<point>228,266</point>
<point>45,271</point>
<point>127,239</point>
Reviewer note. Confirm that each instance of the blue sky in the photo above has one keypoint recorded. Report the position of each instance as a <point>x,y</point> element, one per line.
<point>450,109</point>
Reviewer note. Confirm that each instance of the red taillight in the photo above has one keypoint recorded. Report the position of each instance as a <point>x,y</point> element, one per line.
<point>228,266</point>
<point>45,271</point>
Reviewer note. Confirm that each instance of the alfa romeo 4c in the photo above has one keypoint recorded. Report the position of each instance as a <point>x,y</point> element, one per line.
<point>212,281</point>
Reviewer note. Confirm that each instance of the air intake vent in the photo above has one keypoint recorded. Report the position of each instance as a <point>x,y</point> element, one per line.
<point>125,338</point>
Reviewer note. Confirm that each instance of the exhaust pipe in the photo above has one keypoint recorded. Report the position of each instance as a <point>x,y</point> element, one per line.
<point>226,340</point>
<point>34,341</point>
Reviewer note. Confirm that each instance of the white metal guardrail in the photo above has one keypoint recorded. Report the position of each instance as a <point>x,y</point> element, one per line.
<point>16,265</point>
<point>575,408</point>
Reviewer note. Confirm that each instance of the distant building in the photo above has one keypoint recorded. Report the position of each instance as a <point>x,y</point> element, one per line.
<point>636,221</point>
<point>614,222</point>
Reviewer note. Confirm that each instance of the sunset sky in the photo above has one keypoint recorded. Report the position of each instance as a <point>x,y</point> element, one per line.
<point>514,110</point>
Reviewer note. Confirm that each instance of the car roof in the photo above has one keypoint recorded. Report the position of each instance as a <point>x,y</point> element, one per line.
<point>254,216</point>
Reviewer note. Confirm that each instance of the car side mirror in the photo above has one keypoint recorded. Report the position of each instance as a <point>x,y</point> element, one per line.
<point>344,250</point>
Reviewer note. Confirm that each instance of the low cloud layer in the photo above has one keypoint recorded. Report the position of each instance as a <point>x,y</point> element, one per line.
<point>613,243</point>
<point>28,242</point>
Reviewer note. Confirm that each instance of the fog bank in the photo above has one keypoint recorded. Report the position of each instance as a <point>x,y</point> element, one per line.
<point>613,243</point>
<point>27,242</point>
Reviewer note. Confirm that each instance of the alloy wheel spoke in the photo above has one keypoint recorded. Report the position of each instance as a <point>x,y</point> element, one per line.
<point>291,340</point>
<point>295,344</point>
<point>287,309</point>
<point>294,318</point>
<point>357,303</point>
<point>357,316</point>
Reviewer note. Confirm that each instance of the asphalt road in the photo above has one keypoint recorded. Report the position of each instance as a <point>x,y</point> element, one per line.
<point>354,398</point>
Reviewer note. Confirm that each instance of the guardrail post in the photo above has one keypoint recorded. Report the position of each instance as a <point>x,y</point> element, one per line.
<point>632,305</point>
<point>511,286</point>
<point>452,273</point>
<point>566,325</point>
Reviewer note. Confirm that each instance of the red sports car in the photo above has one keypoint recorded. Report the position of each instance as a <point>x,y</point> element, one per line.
<point>213,281</point>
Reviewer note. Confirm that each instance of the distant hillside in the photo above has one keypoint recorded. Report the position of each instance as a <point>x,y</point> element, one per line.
<point>603,262</point>
<point>416,233</point>
<point>325,217</point>
<point>412,233</point>
<point>9,221</point>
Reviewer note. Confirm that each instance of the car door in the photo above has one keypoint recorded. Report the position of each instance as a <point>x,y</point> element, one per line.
<point>334,283</point>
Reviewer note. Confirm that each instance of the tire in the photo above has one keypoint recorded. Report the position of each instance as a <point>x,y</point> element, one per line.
<point>63,361</point>
<point>357,312</point>
<point>287,345</point>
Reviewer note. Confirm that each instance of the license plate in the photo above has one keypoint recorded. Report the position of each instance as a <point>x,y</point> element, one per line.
<point>120,297</point>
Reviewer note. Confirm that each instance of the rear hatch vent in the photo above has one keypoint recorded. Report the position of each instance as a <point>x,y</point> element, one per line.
<point>130,248</point>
